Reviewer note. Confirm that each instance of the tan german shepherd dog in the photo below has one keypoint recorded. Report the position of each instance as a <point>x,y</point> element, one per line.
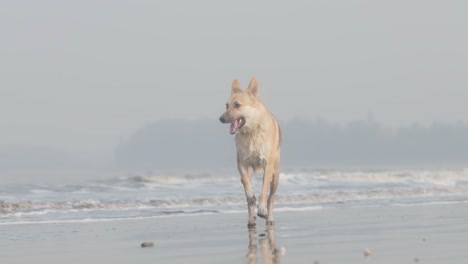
<point>258,141</point>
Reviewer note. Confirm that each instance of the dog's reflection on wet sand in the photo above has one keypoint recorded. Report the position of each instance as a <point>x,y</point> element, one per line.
<point>262,247</point>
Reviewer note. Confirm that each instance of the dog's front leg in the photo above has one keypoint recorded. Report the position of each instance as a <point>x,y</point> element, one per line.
<point>262,203</point>
<point>246,177</point>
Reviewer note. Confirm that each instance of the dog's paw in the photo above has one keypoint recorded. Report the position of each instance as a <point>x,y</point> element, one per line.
<point>262,212</point>
<point>251,224</point>
<point>252,221</point>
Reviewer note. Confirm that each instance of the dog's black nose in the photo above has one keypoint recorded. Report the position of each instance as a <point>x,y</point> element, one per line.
<point>222,119</point>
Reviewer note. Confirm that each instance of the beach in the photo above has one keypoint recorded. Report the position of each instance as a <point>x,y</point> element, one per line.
<point>432,233</point>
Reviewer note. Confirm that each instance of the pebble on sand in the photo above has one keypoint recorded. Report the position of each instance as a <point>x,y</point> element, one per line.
<point>147,244</point>
<point>368,252</point>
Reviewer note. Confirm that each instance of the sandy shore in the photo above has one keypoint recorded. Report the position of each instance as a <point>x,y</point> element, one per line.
<point>408,234</point>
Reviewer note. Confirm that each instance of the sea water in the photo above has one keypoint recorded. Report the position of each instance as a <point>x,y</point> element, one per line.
<point>119,196</point>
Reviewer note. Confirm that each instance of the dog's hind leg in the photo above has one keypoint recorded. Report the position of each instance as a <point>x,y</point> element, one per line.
<point>246,177</point>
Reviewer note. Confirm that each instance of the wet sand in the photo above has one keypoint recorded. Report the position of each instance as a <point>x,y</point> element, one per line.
<point>393,234</point>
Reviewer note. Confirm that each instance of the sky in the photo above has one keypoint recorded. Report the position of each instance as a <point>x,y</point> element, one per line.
<point>82,76</point>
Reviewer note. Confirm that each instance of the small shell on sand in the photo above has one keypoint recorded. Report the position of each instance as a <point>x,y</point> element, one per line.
<point>282,251</point>
<point>368,252</point>
<point>147,244</point>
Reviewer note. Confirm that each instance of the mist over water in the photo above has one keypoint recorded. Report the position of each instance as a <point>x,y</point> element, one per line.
<point>307,143</point>
<point>80,78</point>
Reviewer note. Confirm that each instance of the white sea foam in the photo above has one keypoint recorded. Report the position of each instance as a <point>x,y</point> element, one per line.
<point>442,177</point>
<point>173,179</point>
<point>298,209</point>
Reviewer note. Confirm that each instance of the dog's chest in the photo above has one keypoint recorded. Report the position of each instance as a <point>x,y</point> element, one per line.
<point>251,149</point>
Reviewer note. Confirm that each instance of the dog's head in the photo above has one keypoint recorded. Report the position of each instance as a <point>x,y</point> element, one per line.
<point>243,107</point>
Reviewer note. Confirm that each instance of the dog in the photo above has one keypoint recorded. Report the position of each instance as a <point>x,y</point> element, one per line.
<point>258,142</point>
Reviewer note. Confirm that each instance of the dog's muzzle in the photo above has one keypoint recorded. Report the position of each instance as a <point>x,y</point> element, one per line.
<point>222,119</point>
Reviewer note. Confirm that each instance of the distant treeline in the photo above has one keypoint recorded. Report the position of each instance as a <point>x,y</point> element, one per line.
<point>205,144</point>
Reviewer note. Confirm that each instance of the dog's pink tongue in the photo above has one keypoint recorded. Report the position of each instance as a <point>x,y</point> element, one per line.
<point>234,126</point>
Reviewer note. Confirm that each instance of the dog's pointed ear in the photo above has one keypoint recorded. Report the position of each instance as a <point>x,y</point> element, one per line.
<point>236,87</point>
<point>253,87</point>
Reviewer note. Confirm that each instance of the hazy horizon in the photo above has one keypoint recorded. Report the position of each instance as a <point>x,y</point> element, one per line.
<point>82,77</point>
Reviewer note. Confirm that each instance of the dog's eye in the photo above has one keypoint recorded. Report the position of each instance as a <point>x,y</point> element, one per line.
<point>227,106</point>
<point>237,105</point>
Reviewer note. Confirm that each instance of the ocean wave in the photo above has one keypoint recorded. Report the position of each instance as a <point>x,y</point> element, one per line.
<point>343,197</point>
<point>173,179</point>
<point>436,177</point>
<point>24,208</point>
<point>134,196</point>
<point>312,179</point>
<point>433,177</point>
<point>7,207</point>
